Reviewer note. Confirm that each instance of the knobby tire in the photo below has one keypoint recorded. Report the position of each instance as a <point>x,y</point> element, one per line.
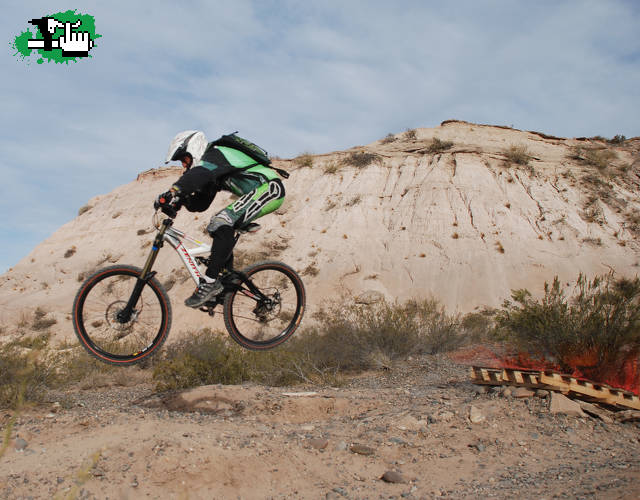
<point>102,335</point>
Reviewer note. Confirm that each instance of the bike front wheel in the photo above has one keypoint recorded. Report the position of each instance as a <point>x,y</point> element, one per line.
<point>104,332</point>
<point>266,310</point>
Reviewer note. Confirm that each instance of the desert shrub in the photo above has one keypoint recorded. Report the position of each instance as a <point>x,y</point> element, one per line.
<point>207,357</point>
<point>438,146</point>
<point>350,338</point>
<point>517,154</point>
<point>84,209</point>
<point>304,160</point>
<point>352,335</point>
<point>410,134</point>
<point>617,139</point>
<point>360,159</point>
<point>600,320</point>
<point>77,367</point>
<point>599,158</point>
<point>331,167</point>
<point>40,320</point>
<point>311,270</point>
<point>388,139</point>
<point>25,375</point>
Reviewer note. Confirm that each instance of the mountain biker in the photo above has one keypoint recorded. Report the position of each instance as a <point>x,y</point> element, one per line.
<point>210,168</point>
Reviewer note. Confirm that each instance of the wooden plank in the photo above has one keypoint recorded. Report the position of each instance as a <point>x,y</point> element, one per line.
<point>598,392</point>
<point>566,384</point>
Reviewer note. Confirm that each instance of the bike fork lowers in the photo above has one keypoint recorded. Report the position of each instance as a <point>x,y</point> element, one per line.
<point>146,275</point>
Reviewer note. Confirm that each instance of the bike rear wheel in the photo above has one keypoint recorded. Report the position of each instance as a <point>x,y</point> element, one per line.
<point>103,333</point>
<point>264,320</point>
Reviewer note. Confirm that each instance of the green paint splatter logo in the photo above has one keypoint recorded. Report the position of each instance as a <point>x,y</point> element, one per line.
<point>62,37</point>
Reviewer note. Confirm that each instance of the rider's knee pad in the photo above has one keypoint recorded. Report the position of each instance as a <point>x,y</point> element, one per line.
<point>219,220</point>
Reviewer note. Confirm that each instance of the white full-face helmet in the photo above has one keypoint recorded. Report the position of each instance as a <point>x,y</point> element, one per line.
<point>193,142</point>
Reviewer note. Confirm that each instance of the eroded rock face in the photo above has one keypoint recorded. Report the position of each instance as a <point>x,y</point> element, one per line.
<point>462,222</point>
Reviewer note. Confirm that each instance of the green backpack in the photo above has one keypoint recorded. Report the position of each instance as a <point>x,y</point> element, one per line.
<point>253,151</point>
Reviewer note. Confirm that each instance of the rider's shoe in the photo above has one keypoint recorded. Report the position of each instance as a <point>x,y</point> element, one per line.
<point>205,292</point>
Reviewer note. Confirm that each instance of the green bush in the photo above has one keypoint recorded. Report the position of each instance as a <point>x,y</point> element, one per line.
<point>601,321</point>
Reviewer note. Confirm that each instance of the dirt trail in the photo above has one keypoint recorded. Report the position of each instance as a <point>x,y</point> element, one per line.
<point>410,424</point>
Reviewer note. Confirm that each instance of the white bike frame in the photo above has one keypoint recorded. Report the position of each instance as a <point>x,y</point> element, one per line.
<point>175,238</point>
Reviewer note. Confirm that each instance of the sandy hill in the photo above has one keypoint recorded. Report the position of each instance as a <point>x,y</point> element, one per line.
<point>407,216</point>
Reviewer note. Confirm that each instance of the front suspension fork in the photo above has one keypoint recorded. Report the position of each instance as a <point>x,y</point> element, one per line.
<point>146,275</point>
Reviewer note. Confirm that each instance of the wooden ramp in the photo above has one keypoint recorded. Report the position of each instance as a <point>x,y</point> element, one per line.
<point>552,381</point>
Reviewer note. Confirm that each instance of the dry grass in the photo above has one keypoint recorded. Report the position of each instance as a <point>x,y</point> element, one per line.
<point>517,154</point>
<point>388,139</point>
<point>599,158</point>
<point>40,320</point>
<point>360,159</point>
<point>311,270</point>
<point>304,160</point>
<point>331,167</point>
<point>409,135</point>
<point>84,209</point>
<point>350,339</point>
<point>438,146</point>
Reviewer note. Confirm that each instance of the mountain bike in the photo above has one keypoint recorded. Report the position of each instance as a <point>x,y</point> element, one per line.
<point>122,314</point>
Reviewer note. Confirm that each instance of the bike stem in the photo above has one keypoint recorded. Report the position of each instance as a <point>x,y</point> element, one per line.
<point>124,316</point>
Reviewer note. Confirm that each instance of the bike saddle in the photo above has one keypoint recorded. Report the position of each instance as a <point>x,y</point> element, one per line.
<point>252,227</point>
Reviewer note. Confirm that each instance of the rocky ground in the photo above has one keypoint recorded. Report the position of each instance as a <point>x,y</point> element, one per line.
<point>419,430</point>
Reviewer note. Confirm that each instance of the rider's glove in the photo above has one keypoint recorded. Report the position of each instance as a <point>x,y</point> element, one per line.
<point>164,202</point>
<point>164,198</point>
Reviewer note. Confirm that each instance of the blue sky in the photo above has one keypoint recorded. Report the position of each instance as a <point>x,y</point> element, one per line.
<point>294,76</point>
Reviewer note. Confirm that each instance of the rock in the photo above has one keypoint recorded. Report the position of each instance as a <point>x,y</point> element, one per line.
<point>318,444</point>
<point>564,405</point>
<point>475,415</point>
<point>522,392</point>
<point>409,423</point>
<point>340,491</point>
<point>20,444</point>
<point>507,391</point>
<point>361,449</point>
<point>627,416</point>
<point>445,416</point>
<point>542,394</point>
<point>480,389</point>
<point>596,412</point>
<point>478,446</point>
<point>393,477</point>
